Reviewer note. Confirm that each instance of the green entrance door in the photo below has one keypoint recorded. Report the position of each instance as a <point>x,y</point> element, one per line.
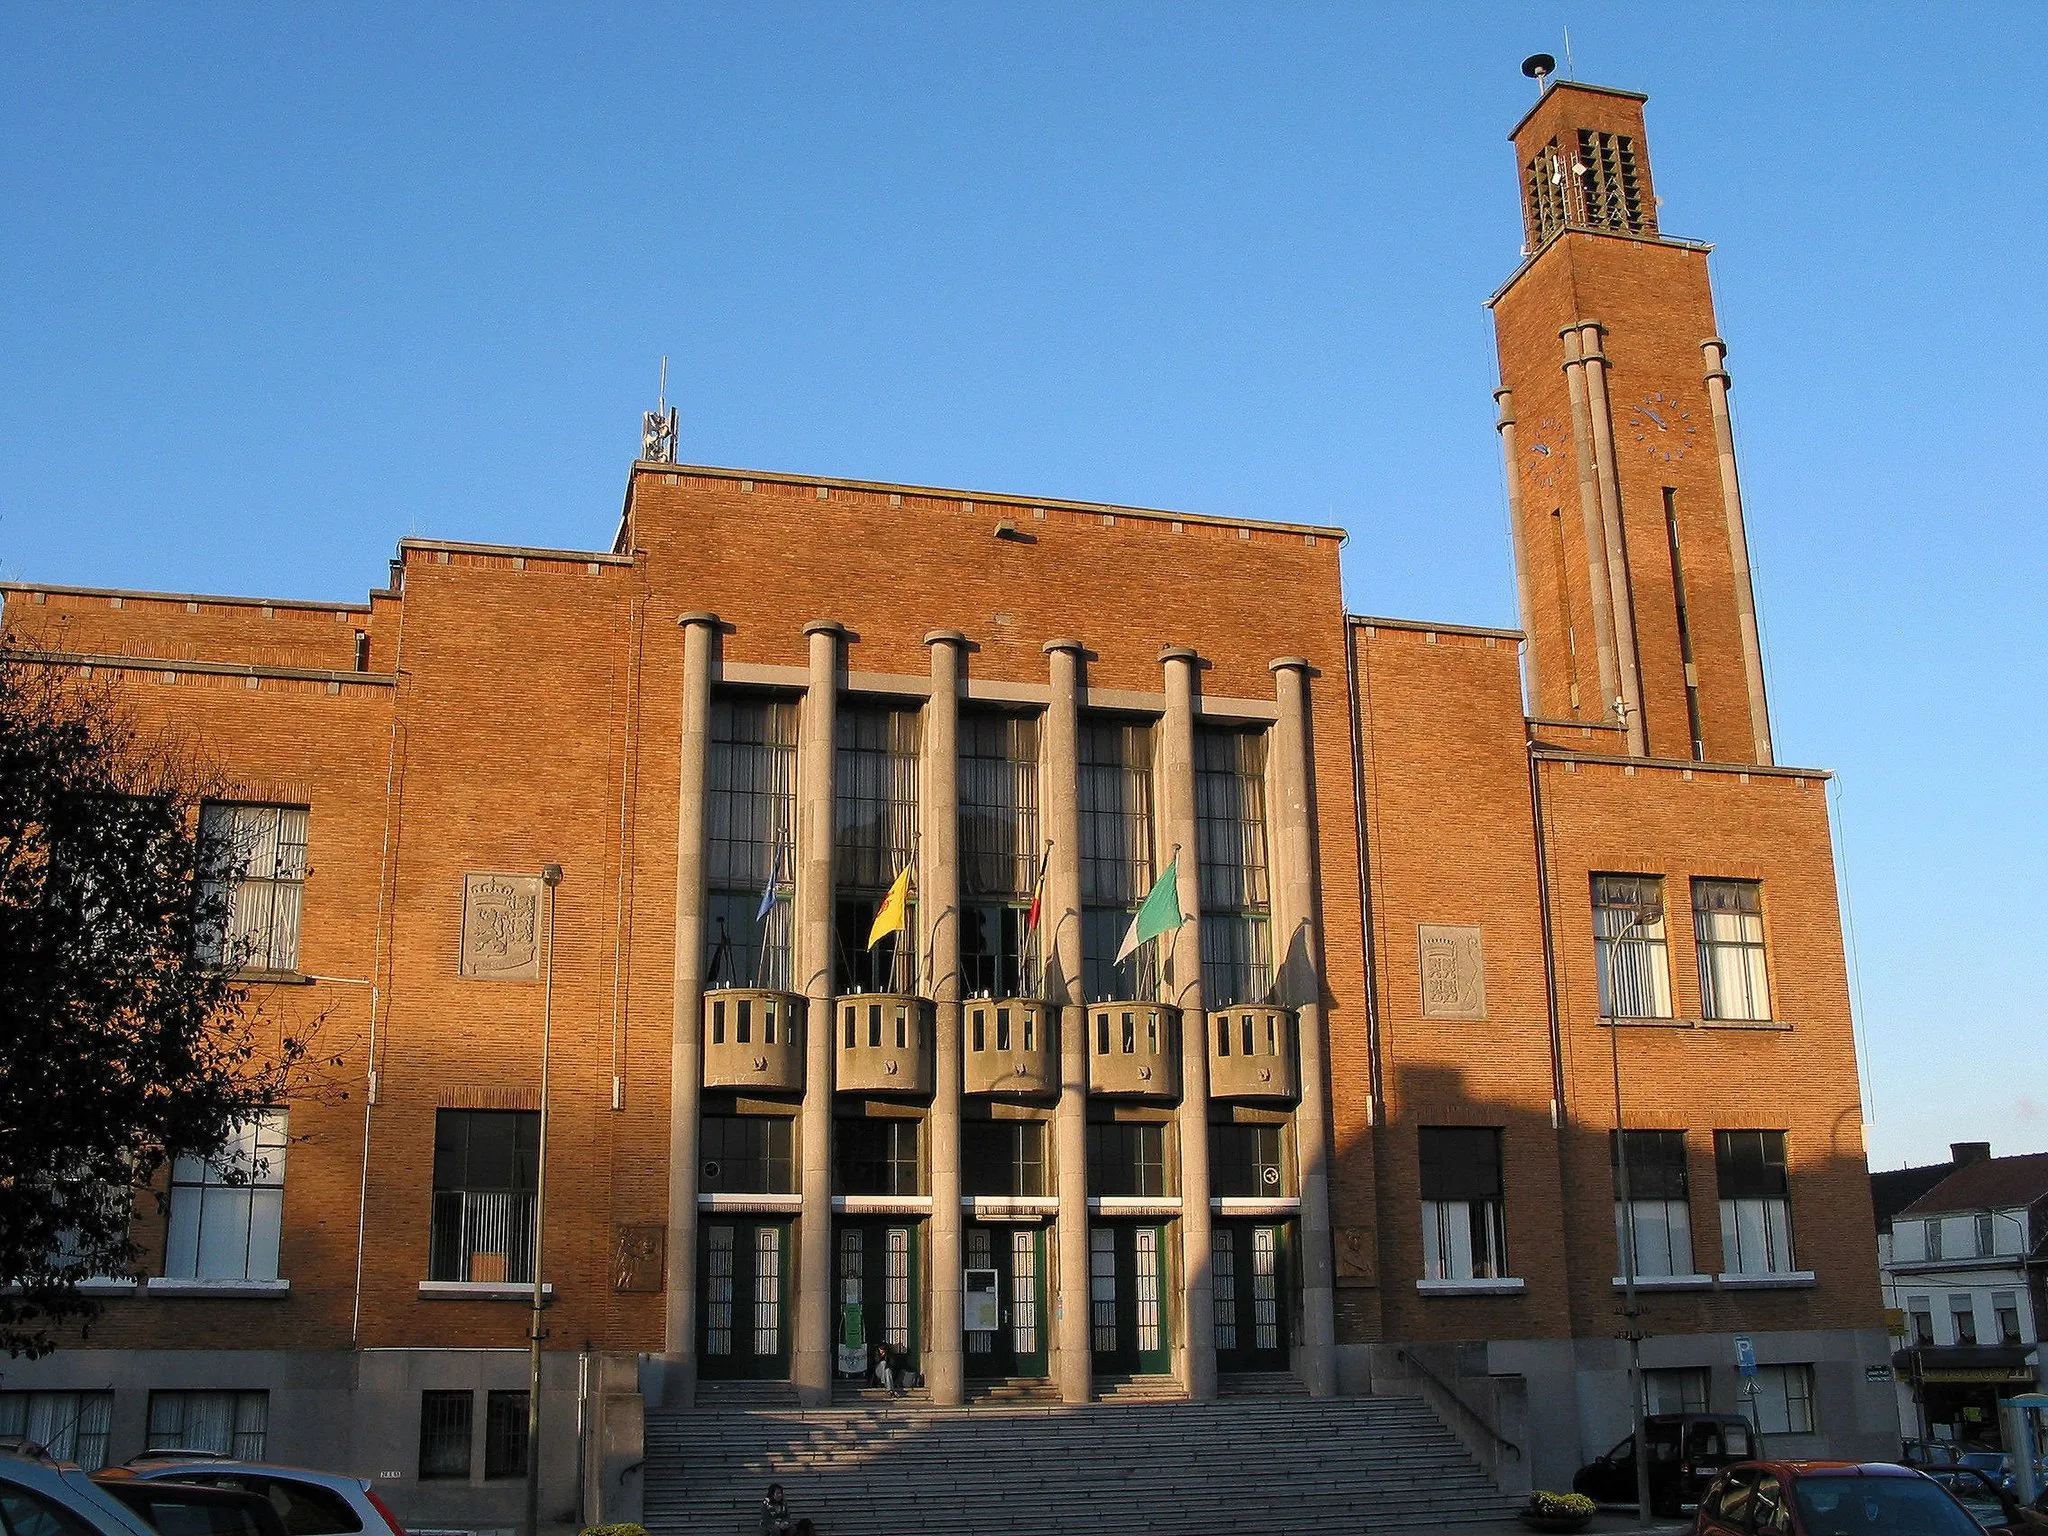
<point>1249,1273</point>
<point>1127,1298</point>
<point>1014,1257</point>
<point>743,1299</point>
<point>877,1292</point>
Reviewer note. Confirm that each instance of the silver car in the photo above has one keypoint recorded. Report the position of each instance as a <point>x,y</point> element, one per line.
<point>309,1503</point>
<point>41,1497</point>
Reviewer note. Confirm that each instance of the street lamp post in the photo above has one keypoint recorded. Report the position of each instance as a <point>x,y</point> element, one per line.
<point>1638,1412</point>
<point>551,877</point>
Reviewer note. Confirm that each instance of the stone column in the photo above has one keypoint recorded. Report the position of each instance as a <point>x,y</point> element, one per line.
<point>686,1042</point>
<point>938,915</point>
<point>1598,587</point>
<point>1600,410</point>
<point>1059,800</point>
<point>1525,579</point>
<point>1174,791</point>
<point>1718,382</point>
<point>1291,850</point>
<point>810,1367</point>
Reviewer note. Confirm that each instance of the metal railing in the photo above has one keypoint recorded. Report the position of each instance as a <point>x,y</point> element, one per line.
<point>1459,1403</point>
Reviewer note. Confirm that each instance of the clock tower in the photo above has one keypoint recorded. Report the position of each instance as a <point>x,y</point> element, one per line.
<point>1629,547</point>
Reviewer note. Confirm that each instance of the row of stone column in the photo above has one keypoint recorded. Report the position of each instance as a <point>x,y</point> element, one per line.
<point>1613,615</point>
<point>1290,857</point>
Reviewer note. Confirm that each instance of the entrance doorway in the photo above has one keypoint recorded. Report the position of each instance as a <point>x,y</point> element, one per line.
<point>743,1294</point>
<point>1248,1271</point>
<point>1016,1346</point>
<point>1127,1298</point>
<point>876,1263</point>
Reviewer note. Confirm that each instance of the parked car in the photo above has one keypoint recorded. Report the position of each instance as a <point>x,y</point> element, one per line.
<point>1993,1504</point>
<point>1929,1453</point>
<point>1996,1465</point>
<point>309,1503</point>
<point>1686,1450</point>
<point>1832,1498</point>
<point>188,1509</point>
<point>42,1497</point>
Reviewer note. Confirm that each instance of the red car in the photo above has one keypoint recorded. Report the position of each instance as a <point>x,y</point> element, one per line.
<point>1831,1498</point>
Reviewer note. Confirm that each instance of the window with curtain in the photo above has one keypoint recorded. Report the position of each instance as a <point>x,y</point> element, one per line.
<point>1756,1206</point>
<point>1658,1211</point>
<point>875,833</point>
<point>255,856</point>
<point>1728,927</point>
<point>227,1212</point>
<point>750,841</point>
<point>1464,1227</point>
<point>1116,857</point>
<point>226,1423</point>
<point>1000,850</point>
<point>71,1426</point>
<point>1629,947</point>
<point>1230,831</point>
<point>486,1162</point>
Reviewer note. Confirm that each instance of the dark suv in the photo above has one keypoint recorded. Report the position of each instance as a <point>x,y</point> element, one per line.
<point>1686,1451</point>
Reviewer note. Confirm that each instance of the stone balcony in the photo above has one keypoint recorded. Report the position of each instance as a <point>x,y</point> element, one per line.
<point>754,1039</point>
<point>884,1040</point>
<point>1134,1050</point>
<point>1008,1047</point>
<point>1253,1053</point>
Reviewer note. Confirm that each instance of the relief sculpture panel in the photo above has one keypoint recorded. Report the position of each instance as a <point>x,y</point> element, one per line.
<point>1453,971</point>
<point>500,927</point>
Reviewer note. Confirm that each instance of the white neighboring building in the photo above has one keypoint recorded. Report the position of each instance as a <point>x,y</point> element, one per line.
<point>1965,1271</point>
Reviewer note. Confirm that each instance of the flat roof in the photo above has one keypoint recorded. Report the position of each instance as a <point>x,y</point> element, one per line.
<point>1005,498</point>
<point>185,597</point>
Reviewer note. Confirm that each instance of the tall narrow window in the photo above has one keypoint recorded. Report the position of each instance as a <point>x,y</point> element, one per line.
<point>227,1211</point>
<point>750,841</point>
<point>485,1164</point>
<point>1000,851</point>
<point>1464,1230</point>
<point>255,856</point>
<point>1116,857</point>
<point>876,831</point>
<point>1920,1313</point>
<point>1628,944</point>
<point>1657,1212</point>
<point>1756,1206</point>
<point>505,1434</point>
<point>1248,1160</point>
<point>1685,656</point>
<point>1728,923</point>
<point>1962,1313</point>
<point>1230,829</point>
<point>2005,1312</point>
<point>445,1434</point>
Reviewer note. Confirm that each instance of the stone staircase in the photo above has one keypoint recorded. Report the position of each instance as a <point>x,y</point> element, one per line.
<point>1254,1463</point>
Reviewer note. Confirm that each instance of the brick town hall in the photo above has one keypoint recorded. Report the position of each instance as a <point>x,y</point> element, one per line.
<point>1452,898</point>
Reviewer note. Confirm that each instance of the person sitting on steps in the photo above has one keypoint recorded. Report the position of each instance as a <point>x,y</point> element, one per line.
<point>775,1513</point>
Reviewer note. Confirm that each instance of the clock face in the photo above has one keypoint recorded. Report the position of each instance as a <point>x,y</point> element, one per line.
<point>1661,426</point>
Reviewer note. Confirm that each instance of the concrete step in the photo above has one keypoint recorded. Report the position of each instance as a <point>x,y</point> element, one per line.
<point>1265,1461</point>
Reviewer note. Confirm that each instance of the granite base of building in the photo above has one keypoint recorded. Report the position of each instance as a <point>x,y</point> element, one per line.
<point>360,1412</point>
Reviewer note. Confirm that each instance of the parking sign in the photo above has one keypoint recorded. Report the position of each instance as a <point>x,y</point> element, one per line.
<point>1745,1355</point>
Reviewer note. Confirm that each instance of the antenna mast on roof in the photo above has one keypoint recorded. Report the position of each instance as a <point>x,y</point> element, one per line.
<point>658,427</point>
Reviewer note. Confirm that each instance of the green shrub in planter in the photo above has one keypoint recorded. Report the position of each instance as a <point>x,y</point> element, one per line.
<point>615,1530</point>
<point>1559,1505</point>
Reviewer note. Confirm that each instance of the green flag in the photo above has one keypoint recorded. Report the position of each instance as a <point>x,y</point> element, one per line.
<point>1159,914</point>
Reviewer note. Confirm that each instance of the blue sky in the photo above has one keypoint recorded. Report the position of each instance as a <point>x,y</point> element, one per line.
<point>285,283</point>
